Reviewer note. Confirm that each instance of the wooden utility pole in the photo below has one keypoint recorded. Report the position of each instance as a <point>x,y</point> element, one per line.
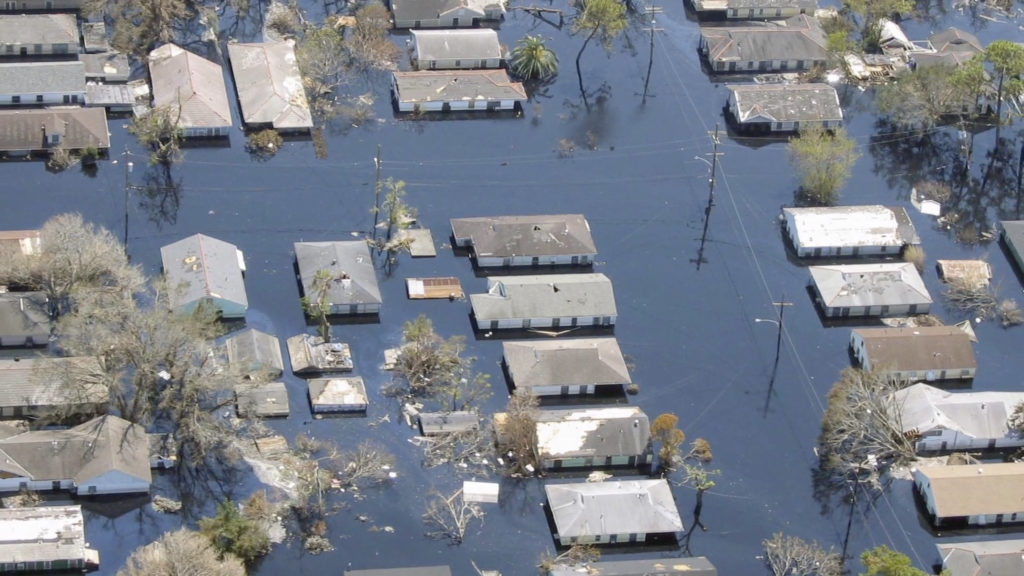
<point>127,187</point>
<point>652,10</point>
<point>378,162</point>
<point>778,340</point>
<point>711,197</point>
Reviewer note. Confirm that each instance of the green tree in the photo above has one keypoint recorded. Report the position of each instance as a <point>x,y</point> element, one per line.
<point>316,304</point>
<point>924,97</point>
<point>160,131</point>
<point>601,19</point>
<point>531,59</point>
<point>824,162</point>
<point>883,561</point>
<point>231,532</point>
<point>871,12</point>
<point>1007,61</point>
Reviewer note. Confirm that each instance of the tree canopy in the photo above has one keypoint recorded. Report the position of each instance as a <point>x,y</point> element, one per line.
<point>181,552</point>
<point>824,162</point>
<point>532,59</point>
<point>883,561</point>
<point>924,97</point>
<point>601,19</point>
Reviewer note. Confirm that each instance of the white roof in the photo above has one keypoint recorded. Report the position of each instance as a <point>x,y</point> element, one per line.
<point>844,226</point>
<point>976,414</point>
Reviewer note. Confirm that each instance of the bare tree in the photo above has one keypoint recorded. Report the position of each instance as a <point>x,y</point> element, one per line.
<point>468,451</point>
<point>368,41</point>
<point>518,433</point>
<point>428,366</point>
<point>577,555</point>
<point>971,296</point>
<point>159,129</point>
<point>448,517</point>
<point>181,552</point>
<point>141,25</point>
<point>793,556</point>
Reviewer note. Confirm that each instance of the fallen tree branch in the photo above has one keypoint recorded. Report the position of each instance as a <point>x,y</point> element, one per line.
<point>539,11</point>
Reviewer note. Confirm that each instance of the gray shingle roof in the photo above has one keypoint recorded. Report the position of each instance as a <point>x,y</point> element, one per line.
<point>1013,234</point>
<point>547,296</point>
<point>544,235</point>
<point>181,77</point>
<point>269,85</point>
<point>457,85</point>
<point>798,38</point>
<point>350,259</point>
<point>862,285</point>
<point>592,432</point>
<point>105,64</point>
<point>47,533</point>
<point>206,267</point>
<point>921,349</point>
<point>981,415</point>
<point>24,315</point>
<point>477,44</point>
<point>30,381</point>
<point>81,127</point>
<point>699,566</point>
<point>431,9</point>
<point>787,102</point>
<point>253,352</point>
<point>956,40</point>
<point>613,507</point>
<point>985,558</point>
<point>42,77</point>
<point>262,399</point>
<point>572,362</point>
<point>29,29</point>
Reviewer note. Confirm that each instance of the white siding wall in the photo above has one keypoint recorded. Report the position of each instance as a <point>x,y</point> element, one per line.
<point>227,308</point>
<point>902,310</point>
<point>952,440</point>
<point>14,485</point>
<point>518,323</point>
<point>461,64</point>
<point>206,132</point>
<point>332,408</point>
<point>601,539</point>
<point>15,49</point>
<point>48,97</point>
<point>345,309</point>
<point>560,260</point>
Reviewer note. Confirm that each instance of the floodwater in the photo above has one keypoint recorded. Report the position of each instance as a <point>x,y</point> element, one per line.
<point>692,332</point>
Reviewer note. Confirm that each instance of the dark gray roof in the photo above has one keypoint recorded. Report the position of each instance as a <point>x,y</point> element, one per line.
<point>441,422</point>
<point>546,296</point>
<point>24,315</point>
<point>579,361</point>
<point>613,507</point>
<point>94,36</point>
<point>432,9</point>
<point>269,85</point>
<point>1013,234</point>
<point>456,85</point>
<point>31,381</point>
<point>81,127</point>
<point>265,400</point>
<point>787,102</point>
<point>105,64</point>
<point>474,44</point>
<point>547,235</point>
<point>857,285</point>
<point>798,38</point>
<point>42,77</point>
<point>29,29</point>
<point>46,533</point>
<point>253,352</point>
<point>421,571</point>
<point>207,267</point>
<point>592,432</point>
<point>351,259</point>
<point>926,59</point>
<point>699,566</point>
<point>956,40</point>
<point>985,558</point>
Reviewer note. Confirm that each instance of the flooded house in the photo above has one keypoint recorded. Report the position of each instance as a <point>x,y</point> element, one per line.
<point>445,13</point>
<point>338,394</point>
<point>849,231</point>
<point>548,301</point>
<point>414,571</point>
<point>352,288</point>
<point>255,354</point>
<point>269,86</point>
<point>576,366</point>
<point>29,386</point>
<point>796,44</point>
<point>985,557</point>
<point>38,34</point>
<point>699,566</point>
<point>42,83</point>
<point>456,49</point>
<point>193,87</point>
<point>773,108</point>
<point>25,242</point>
<point>436,423</point>
<point>559,239</point>
<point>311,355</point>
<point>612,512</point>
<point>891,289</point>
<point>206,271</point>
<point>261,399</point>
<point>957,41</point>
<point>106,67</point>
<point>24,319</point>
<point>973,494</point>
<point>44,539</point>
<point>950,421</point>
<point>37,130</point>
<point>970,272</point>
<point>927,353</point>
<point>593,438</point>
<point>463,90</point>
<point>1012,234</point>
<point>755,9</point>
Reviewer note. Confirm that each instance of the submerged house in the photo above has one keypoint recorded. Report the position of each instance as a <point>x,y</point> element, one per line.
<point>954,421</point>
<point>261,399</point>
<point>974,494</point>
<point>699,566</point>
<point>794,45</point>
<point>870,290</point>
<point>208,271</point>
<point>43,539</point>
<point>756,9</point>
<point>566,367</point>
<point>956,40</point>
<point>38,34</point>
<point>561,239</point>
<point>594,437</point>
<point>445,13</point>
<point>436,423</point>
<point>41,130</point>
<point>42,83</point>
<point>192,85</point>
<point>984,558</point>
<point>849,230</point>
<point>269,86</point>
<point>448,91</point>
<point>311,355</point>
<point>338,394</point>
<point>550,301</point>
<point>29,387</point>
<point>456,49</point>
<point>784,107</point>
<point>353,286</point>
<point>255,354</point>
<point>1012,233</point>
<point>612,512</point>
<point>922,353</point>
<point>24,319</point>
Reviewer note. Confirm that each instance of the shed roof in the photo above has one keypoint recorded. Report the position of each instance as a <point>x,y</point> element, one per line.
<point>310,353</point>
<point>547,296</point>
<point>46,533</point>
<point>254,352</point>
<point>30,381</point>
<point>28,29</point>
<point>26,242</point>
<point>442,422</point>
<point>207,267</point>
<point>24,314</point>
<point>338,391</point>
<point>105,64</point>
<point>956,40</point>
<point>613,507</point>
<point>94,36</point>
<point>262,399</point>
<point>544,235</point>
<point>787,102</point>
<point>699,566</point>
<point>798,38</point>
<point>80,127</point>
<point>419,571</point>
<point>193,82</point>
<point>457,85</point>
<point>862,285</point>
<point>977,272</point>
<point>355,278</point>
<point>472,44</point>
<point>977,414</point>
<point>269,85</point>
<point>580,361</point>
<point>432,9</point>
<point>922,349</point>
<point>592,432</point>
<point>42,77</point>
<point>985,558</point>
<point>969,490</point>
<point>851,226</point>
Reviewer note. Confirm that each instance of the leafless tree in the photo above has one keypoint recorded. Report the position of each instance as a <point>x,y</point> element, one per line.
<point>1009,313</point>
<point>793,556</point>
<point>181,552</point>
<point>577,555</point>
<point>368,41</point>
<point>159,130</point>
<point>518,434</point>
<point>469,452</point>
<point>448,517</point>
<point>61,158</point>
<point>971,296</point>
<point>428,366</point>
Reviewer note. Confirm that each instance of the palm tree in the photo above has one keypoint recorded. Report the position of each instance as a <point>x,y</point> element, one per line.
<point>532,59</point>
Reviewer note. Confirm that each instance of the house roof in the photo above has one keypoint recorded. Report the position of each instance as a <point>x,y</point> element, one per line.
<point>269,85</point>
<point>105,64</point>
<point>699,566</point>
<point>572,362</point>
<point>81,127</point>
<point>181,77</point>
<point>921,349</point>
<point>82,453</point>
<point>977,414</point>
<point>338,391</point>
<point>786,102</point>
<point>592,432</point>
<point>956,40</point>
<point>432,9</point>
<point>205,267</point>
<point>355,279</point>
<point>546,235</point>
<point>30,381</point>
<point>419,571</point>
<point>252,351</point>
<point>798,38</point>
<point>1013,234</point>
<point>46,533</point>
<point>262,399</point>
<point>26,242</point>
<point>473,44</point>
<point>42,77</point>
<point>456,85</point>
<point>24,314</point>
<point>971,490</point>
<point>851,226</point>
<point>862,285</point>
<point>613,507</point>
<point>29,29</point>
<point>310,353</point>
<point>94,36</point>
<point>547,296</point>
<point>985,558</point>
<point>926,59</point>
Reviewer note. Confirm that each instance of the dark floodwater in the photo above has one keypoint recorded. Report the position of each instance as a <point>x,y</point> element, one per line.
<point>697,349</point>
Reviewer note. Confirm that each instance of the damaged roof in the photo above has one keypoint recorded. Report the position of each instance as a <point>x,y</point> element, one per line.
<point>261,399</point>
<point>956,40</point>
<point>269,85</point>
<point>850,226</point>
<point>798,38</point>
<point>43,534</point>
<point>193,82</point>
<point>252,352</point>
<point>545,296</point>
<point>977,414</point>
<point>863,285</point>
<point>354,276</point>
<point>592,432</point>
<point>545,235</point>
<point>575,362</point>
<point>613,507</point>
<point>787,103</point>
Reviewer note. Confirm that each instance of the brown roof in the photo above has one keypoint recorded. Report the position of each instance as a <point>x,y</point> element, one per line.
<point>921,349</point>
<point>24,241</point>
<point>973,490</point>
<point>180,76</point>
<point>80,127</point>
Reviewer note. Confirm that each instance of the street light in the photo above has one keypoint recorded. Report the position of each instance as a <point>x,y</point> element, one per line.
<point>776,322</point>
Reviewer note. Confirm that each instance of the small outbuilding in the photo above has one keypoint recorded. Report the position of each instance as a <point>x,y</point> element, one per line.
<point>612,512</point>
<point>208,271</point>
<point>974,273</point>
<point>566,367</point>
<point>194,84</point>
<point>94,37</point>
<point>24,319</point>
<point>436,423</point>
<point>984,558</point>
<point>434,288</point>
<point>548,301</point>
<point>113,97</point>
<point>921,353</point>
<point>311,355</point>
<point>255,354</point>
<point>974,494</point>
<point>699,566</point>
<point>464,90</point>
<point>456,49</point>
<point>559,239</point>
<point>352,288</point>
<point>445,13</point>
<point>950,421</point>
<point>774,108</point>
<point>894,289</point>
<point>338,394</point>
<point>269,86</point>
<point>263,400</point>
<point>47,538</point>
<point>106,67</point>
<point>594,438</point>
<point>849,231</point>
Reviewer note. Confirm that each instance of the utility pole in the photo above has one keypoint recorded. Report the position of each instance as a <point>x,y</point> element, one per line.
<point>652,10</point>
<point>711,196</point>
<point>778,340</point>
<point>378,162</point>
<point>127,187</point>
